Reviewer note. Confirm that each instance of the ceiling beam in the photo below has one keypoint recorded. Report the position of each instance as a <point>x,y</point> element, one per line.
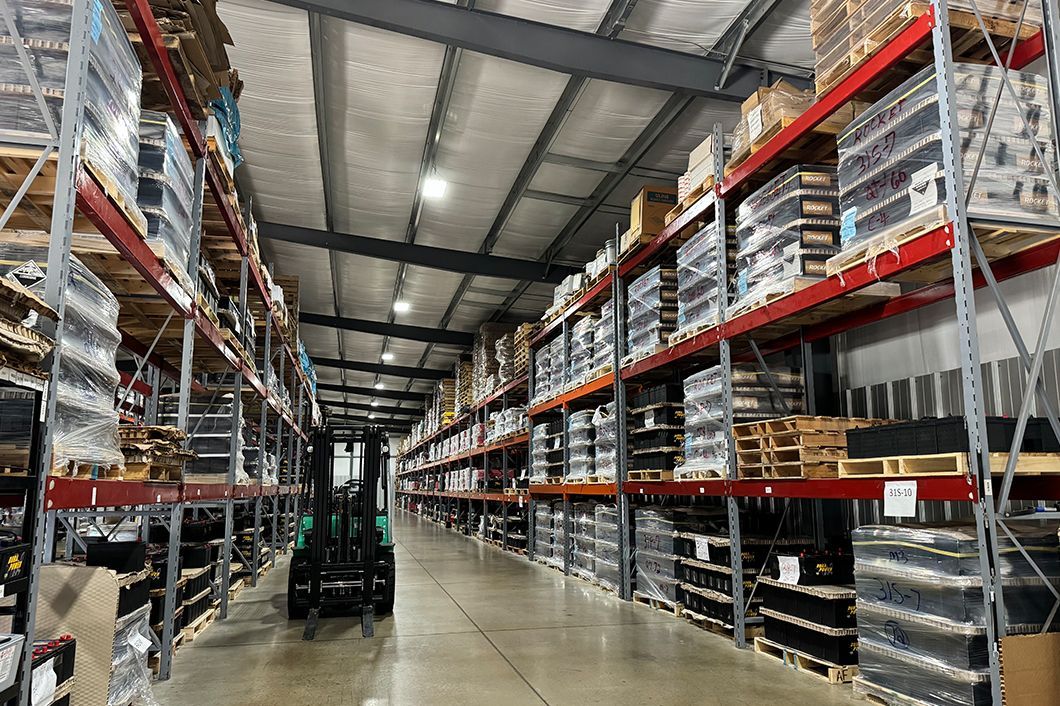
<point>420,255</point>
<point>546,46</point>
<point>596,166</point>
<point>349,421</point>
<point>400,371</point>
<point>392,330</point>
<point>369,392</point>
<point>378,409</point>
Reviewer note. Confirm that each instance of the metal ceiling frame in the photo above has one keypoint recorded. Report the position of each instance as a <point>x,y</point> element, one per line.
<point>548,46</point>
<point>378,409</point>
<point>389,329</point>
<point>399,371</point>
<point>428,256</point>
<point>369,392</point>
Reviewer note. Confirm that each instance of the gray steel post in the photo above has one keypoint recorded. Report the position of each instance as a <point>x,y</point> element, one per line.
<point>235,450</point>
<point>59,255</point>
<point>531,528</point>
<point>263,435</point>
<point>968,337</point>
<point>169,606</point>
<point>255,558</point>
<point>618,319</point>
<point>298,456</point>
<point>280,425</point>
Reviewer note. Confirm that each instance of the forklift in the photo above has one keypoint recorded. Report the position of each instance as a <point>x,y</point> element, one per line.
<point>336,567</point>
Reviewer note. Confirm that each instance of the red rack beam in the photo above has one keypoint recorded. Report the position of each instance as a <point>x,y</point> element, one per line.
<point>73,493</point>
<point>710,487</point>
<point>573,489</point>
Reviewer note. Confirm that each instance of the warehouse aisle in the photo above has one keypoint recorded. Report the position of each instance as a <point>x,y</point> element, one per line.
<point>474,625</point>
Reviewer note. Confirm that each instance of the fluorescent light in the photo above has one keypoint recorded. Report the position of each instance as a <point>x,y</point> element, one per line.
<point>388,356</point>
<point>375,403</point>
<point>379,386</point>
<point>402,307</point>
<point>434,188</point>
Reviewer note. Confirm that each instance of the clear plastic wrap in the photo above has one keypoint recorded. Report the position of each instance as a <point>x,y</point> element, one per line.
<point>581,348</point>
<point>542,438</point>
<point>166,183</point>
<point>130,678</point>
<point>112,104</point>
<point>651,314</point>
<point>657,576</point>
<point>484,359</point>
<point>706,450</point>
<point>788,228</point>
<point>86,426</point>
<point>581,434</point>
<point>604,336</point>
<point>505,353</point>
<point>700,276</point>
<point>605,430</point>
<point>922,680</point>
<point>890,159</point>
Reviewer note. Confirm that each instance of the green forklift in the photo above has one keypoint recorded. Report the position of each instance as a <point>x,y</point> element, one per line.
<point>336,568</point>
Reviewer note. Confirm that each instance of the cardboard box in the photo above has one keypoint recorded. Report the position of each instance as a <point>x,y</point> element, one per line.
<point>1030,669</point>
<point>650,207</point>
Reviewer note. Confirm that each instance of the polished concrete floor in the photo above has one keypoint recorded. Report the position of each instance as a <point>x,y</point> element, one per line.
<point>475,625</point>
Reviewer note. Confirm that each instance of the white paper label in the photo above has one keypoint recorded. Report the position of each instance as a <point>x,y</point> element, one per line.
<point>923,189</point>
<point>702,548</point>
<point>520,501</point>
<point>649,418</point>
<point>43,682</point>
<point>899,498</point>
<point>27,274</point>
<point>789,569</point>
<point>754,122</point>
<point>139,643</point>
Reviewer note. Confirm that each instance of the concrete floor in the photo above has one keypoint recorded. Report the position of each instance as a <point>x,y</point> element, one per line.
<point>475,625</point>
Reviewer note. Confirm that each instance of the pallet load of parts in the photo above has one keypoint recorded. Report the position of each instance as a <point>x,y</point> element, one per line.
<point>86,423</point>
<point>921,618</point>
<point>583,540</point>
<point>705,451</point>
<point>604,341</point>
<point>939,446</point>
<point>847,32</point>
<point>547,456</point>
<point>112,93</point>
<point>484,360</point>
<point>771,109</point>
<point>22,348</point>
<point>153,453</point>
<point>506,423</point>
<point>809,613</point>
<point>699,274</point>
<point>605,432</point>
<point>706,570</point>
<point>698,180</point>
<point>521,348</point>
<point>647,216</point>
<point>550,375</point>
<point>581,434</point>
<point>892,184</point>
<point>164,192</point>
<point>213,433</point>
<point>656,532</point>
<point>463,374</point>
<point>656,432</point>
<point>581,357</point>
<point>785,232</point>
<point>795,447</point>
<point>651,312</point>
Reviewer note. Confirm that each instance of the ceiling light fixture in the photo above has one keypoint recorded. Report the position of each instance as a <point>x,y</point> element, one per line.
<point>388,356</point>
<point>402,307</point>
<point>375,403</point>
<point>379,386</point>
<point>434,188</point>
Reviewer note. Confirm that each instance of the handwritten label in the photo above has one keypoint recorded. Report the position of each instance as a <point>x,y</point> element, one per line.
<point>899,498</point>
<point>789,569</point>
<point>702,548</point>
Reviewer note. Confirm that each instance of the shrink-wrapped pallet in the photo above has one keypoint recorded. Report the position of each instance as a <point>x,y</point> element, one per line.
<point>581,435</point>
<point>604,336</point>
<point>165,190</point>
<point>701,277</point>
<point>786,230</point>
<point>652,311</point>
<point>891,178</point>
<point>581,348</point>
<point>112,89</point>
<point>605,440</point>
<point>86,423</point>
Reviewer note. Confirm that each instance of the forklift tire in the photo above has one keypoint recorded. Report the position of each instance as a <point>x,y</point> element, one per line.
<point>387,604</point>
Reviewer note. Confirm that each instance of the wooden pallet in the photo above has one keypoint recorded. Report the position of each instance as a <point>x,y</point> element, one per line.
<point>658,604</point>
<point>697,192</point>
<point>516,491</point>
<point>643,353</point>
<point>719,627</point>
<point>265,568</point>
<point>550,480</point>
<point>883,696</point>
<point>155,471</point>
<point>948,464</point>
<point>649,475</point>
<point>235,589</point>
<point>695,474</point>
<point>684,334</point>
<point>196,627</point>
<point>794,447</point>
<point>802,662</point>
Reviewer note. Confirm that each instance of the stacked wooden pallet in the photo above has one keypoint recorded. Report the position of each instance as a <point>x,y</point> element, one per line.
<point>153,452</point>
<point>523,334</point>
<point>794,447</point>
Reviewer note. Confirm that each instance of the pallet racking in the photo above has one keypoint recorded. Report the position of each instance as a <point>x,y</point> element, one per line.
<point>176,356</point>
<point>943,255</point>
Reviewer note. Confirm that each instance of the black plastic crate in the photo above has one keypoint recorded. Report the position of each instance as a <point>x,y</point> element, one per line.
<point>655,460</point>
<point>195,556</point>
<point>1039,437</point>
<point>657,438</point>
<point>834,607</point>
<point>838,649</point>
<point>673,392</point>
<point>658,416</point>
<point>13,562</point>
<point>134,596</point>
<point>197,584</point>
<point>936,436</point>
<point>122,557</point>
<point>60,652</point>
<point>817,568</point>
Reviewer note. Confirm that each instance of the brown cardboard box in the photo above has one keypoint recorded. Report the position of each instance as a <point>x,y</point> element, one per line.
<point>1030,669</point>
<point>648,209</point>
<point>760,95</point>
